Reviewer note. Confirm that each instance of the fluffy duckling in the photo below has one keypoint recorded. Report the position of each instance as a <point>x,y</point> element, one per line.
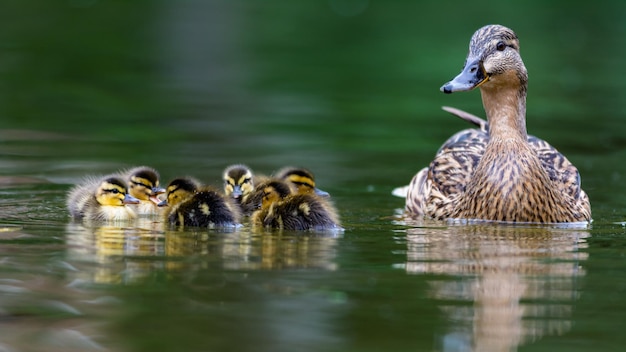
<point>498,172</point>
<point>101,200</point>
<point>301,180</point>
<point>239,185</point>
<point>191,204</point>
<point>282,209</point>
<point>143,184</point>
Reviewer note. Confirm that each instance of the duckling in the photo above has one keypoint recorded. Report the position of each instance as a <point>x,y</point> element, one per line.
<point>143,182</point>
<point>301,180</point>
<point>191,204</point>
<point>498,172</point>
<point>239,184</point>
<point>101,199</point>
<point>282,209</point>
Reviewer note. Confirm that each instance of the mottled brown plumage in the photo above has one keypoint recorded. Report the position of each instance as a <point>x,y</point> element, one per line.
<point>497,172</point>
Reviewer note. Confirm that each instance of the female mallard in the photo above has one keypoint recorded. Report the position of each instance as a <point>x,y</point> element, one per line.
<point>101,200</point>
<point>498,172</point>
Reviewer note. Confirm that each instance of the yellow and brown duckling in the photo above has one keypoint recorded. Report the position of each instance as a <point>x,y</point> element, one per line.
<point>282,209</point>
<point>239,184</point>
<point>101,199</point>
<point>301,180</point>
<point>191,204</point>
<point>143,184</point>
<point>498,172</point>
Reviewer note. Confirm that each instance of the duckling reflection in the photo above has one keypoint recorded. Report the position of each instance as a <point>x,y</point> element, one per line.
<point>501,269</point>
<point>113,249</point>
<point>276,252</point>
<point>243,250</point>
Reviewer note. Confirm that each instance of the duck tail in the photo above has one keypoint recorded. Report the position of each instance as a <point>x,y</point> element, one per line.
<point>464,115</point>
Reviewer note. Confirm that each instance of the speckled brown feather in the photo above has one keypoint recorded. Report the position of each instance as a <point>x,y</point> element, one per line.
<point>499,174</point>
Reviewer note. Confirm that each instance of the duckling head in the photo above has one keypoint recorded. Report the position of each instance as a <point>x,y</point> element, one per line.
<point>238,181</point>
<point>144,184</point>
<point>112,191</point>
<point>180,189</point>
<point>274,191</point>
<point>301,179</point>
<point>493,61</point>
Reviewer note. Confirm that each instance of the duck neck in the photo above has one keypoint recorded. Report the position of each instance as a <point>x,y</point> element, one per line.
<point>506,111</point>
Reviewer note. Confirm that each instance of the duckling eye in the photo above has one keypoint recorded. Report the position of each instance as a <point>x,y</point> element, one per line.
<point>500,46</point>
<point>139,184</point>
<point>115,191</point>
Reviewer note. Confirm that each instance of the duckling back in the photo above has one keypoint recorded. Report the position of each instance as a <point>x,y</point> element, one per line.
<point>299,212</point>
<point>205,208</point>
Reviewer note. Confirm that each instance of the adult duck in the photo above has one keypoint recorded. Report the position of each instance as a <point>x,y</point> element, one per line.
<point>498,172</point>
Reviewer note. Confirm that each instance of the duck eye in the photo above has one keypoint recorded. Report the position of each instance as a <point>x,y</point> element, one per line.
<point>500,46</point>
<point>115,191</point>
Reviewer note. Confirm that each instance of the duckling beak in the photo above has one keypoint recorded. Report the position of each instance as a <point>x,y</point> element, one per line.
<point>163,203</point>
<point>237,192</point>
<point>158,190</point>
<point>154,197</point>
<point>321,193</point>
<point>472,76</point>
<point>128,199</point>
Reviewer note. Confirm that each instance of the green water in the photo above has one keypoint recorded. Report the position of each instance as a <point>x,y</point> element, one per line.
<point>347,88</point>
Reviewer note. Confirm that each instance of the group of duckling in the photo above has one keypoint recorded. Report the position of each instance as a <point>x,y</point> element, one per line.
<point>287,200</point>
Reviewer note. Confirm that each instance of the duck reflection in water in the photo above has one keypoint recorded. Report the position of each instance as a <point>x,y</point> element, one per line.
<point>520,281</point>
<point>116,250</point>
<point>245,250</point>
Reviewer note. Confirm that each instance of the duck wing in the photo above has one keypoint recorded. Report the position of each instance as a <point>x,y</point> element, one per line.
<point>561,171</point>
<point>434,190</point>
<point>452,169</point>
